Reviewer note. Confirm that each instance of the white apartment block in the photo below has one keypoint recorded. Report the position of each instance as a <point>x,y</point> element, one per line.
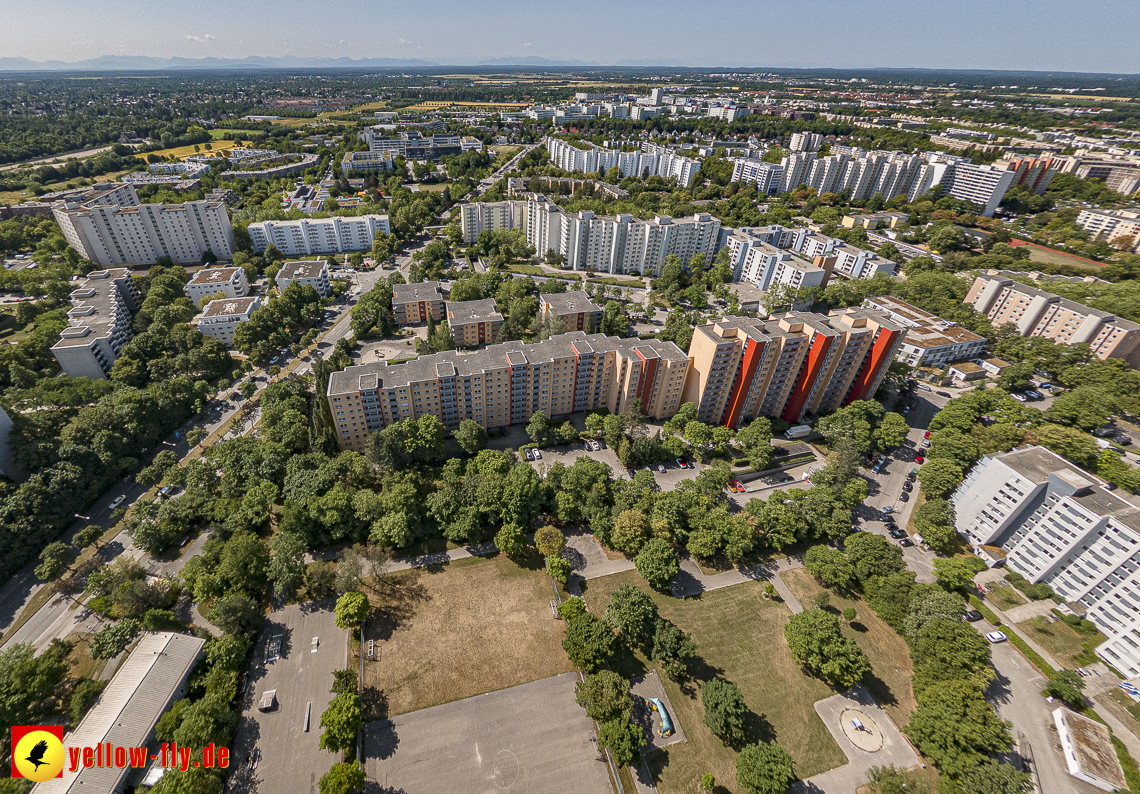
<point>767,266</point>
<point>929,340</point>
<point>114,234</point>
<point>982,185</point>
<point>99,323</point>
<point>768,177</point>
<point>315,273</point>
<point>729,112</point>
<point>221,317</point>
<point>610,244</point>
<point>368,161</point>
<point>230,281</point>
<point>1112,226</point>
<point>805,142</point>
<point>306,237</point>
<point>1054,523</point>
<point>652,160</point>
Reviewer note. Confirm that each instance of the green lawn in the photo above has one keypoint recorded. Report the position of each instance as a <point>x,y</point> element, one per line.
<point>740,637</point>
<point>618,282</point>
<point>1005,597</point>
<point>529,270</point>
<point>1064,643</point>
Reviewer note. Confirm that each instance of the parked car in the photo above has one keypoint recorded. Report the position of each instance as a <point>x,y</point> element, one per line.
<point>897,534</point>
<point>166,490</point>
<point>942,393</point>
<point>926,434</point>
<point>971,616</point>
<point>118,500</point>
<point>1021,398</point>
<point>904,497</point>
<point>878,467</point>
<point>907,486</point>
<point>925,443</point>
<point>886,510</point>
<point>996,637</point>
<point>1104,432</point>
<point>739,486</point>
<point>537,455</point>
<point>529,455</point>
<point>906,543</point>
<point>919,459</point>
<point>911,475</point>
<point>631,472</point>
<point>661,468</point>
<point>1122,440</point>
<point>681,463</point>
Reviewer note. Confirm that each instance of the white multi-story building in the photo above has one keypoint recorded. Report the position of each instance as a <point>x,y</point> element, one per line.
<point>221,317</point>
<point>611,244</point>
<point>310,236</point>
<point>1054,523</point>
<point>729,112</point>
<point>794,170</point>
<point>118,234</point>
<point>315,273</point>
<point>982,185</point>
<point>230,281</point>
<point>860,263</point>
<point>368,161</point>
<point>767,176</point>
<point>99,323</point>
<point>188,170</point>
<point>930,340</point>
<point>652,160</point>
<point>805,142</point>
<point>768,266</point>
<point>1121,227</point>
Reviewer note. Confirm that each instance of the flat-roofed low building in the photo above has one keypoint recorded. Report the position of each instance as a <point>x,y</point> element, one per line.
<point>993,366</point>
<point>930,341</point>
<point>99,323</point>
<point>966,371</point>
<point>1088,751</point>
<point>875,220</point>
<point>473,322</point>
<point>576,309</point>
<point>313,272</point>
<point>230,281</point>
<point>414,303</point>
<point>126,713</point>
<point>504,384</point>
<point>221,317</point>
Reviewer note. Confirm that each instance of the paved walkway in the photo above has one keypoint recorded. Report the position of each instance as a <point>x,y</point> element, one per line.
<point>1033,609</point>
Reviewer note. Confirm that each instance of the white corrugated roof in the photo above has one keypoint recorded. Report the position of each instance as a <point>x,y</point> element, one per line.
<point>129,708</point>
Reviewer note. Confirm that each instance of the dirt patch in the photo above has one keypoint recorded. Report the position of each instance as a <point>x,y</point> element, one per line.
<point>450,632</point>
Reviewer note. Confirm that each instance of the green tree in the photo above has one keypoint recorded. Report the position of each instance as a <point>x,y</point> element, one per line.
<point>83,697</point>
<point>589,642</point>
<point>235,613</point>
<point>657,563</point>
<point>605,696</point>
<point>549,540</point>
<point>829,566</point>
<point>993,777</point>
<point>341,721</point>
<point>287,565</point>
<point>632,613</point>
<point>672,649</point>
<point>55,558</point>
<point>622,738</point>
<point>538,429</point>
<point>724,710</point>
<point>934,520</point>
<point>86,536</point>
<point>351,610</point>
<point>1068,686</point>
<point>940,477</point>
<point>510,540</point>
<point>952,573</point>
<point>872,555</point>
<point>892,431</point>
<point>817,644</point>
<point>630,532</point>
<point>470,436</point>
<point>113,639</point>
<point>342,778</point>
<point>558,568</point>
<point>955,727</point>
<point>764,769</point>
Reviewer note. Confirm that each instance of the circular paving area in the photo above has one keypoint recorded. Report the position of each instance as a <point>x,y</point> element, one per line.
<point>869,738</point>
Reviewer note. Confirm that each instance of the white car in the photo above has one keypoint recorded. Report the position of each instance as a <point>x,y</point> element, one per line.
<point>996,637</point>
<point>537,455</point>
<point>118,500</point>
<point>1019,397</point>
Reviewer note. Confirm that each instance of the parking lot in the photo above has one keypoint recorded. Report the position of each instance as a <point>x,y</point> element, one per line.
<point>529,738</point>
<point>287,756</point>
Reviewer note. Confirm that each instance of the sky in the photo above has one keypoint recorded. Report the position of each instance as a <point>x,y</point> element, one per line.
<point>1045,35</point>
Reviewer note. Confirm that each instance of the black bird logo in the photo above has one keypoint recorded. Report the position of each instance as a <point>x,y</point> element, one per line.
<point>37,754</point>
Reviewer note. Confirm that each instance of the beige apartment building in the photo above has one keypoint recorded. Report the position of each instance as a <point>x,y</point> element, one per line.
<point>414,303</point>
<point>230,281</point>
<point>99,323</point>
<point>503,385</point>
<point>1035,312</point>
<point>788,366</point>
<point>221,317</point>
<point>576,309</point>
<point>473,322</point>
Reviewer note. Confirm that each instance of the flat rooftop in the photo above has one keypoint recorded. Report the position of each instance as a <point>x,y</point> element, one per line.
<point>495,357</point>
<point>95,308</point>
<point>227,306</point>
<point>1088,747</point>
<point>213,275</point>
<point>570,302</point>
<point>480,311</point>
<point>412,293</point>
<point>308,269</point>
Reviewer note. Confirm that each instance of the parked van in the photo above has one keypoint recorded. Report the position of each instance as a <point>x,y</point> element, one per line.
<point>799,431</point>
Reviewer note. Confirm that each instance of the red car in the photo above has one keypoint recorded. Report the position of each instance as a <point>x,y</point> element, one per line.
<point>739,486</point>
<point>919,459</point>
<point>927,434</point>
